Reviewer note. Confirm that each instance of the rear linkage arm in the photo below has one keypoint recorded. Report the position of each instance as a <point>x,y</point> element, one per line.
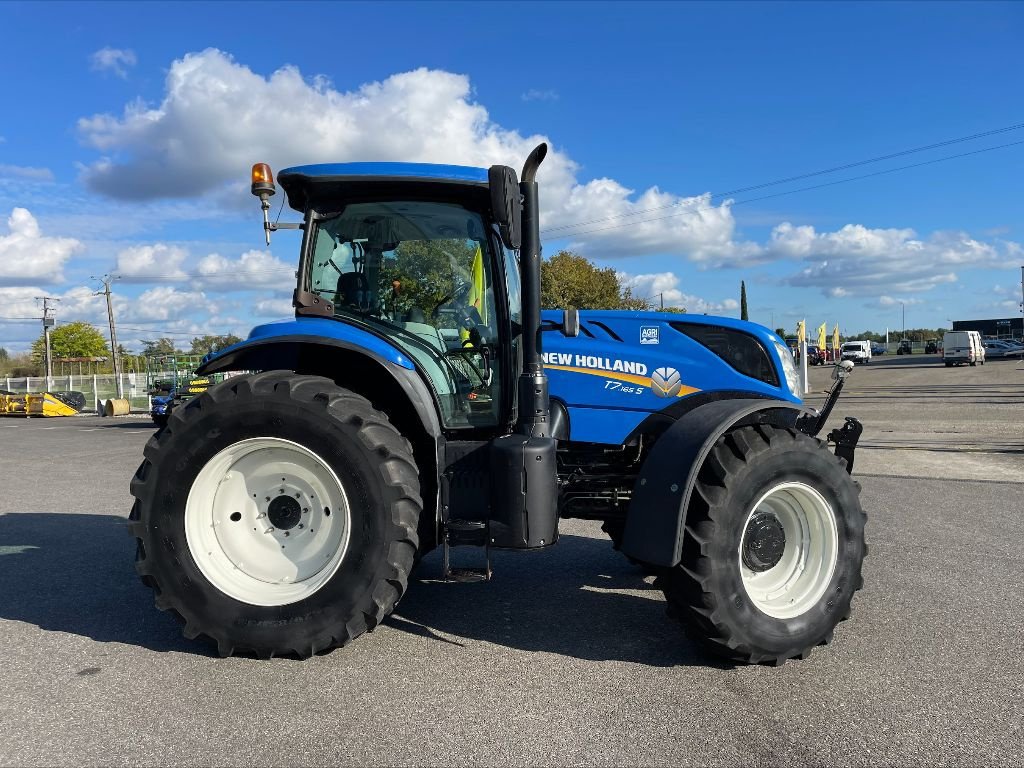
<point>845,437</point>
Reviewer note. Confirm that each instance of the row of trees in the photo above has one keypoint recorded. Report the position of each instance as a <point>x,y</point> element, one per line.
<point>83,340</point>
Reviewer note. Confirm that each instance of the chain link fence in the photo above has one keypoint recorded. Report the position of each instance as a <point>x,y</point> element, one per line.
<point>97,389</point>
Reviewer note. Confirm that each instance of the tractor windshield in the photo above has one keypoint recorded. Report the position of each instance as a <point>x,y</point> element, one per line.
<point>419,273</point>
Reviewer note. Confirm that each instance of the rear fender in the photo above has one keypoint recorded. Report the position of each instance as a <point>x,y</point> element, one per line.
<point>656,521</point>
<point>304,354</point>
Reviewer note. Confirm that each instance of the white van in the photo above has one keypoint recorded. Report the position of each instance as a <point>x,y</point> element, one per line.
<point>959,347</point>
<point>856,351</point>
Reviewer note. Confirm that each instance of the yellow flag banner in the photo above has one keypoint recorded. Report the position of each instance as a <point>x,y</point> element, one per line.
<point>821,336</point>
<point>835,339</point>
<point>476,297</point>
<point>801,332</point>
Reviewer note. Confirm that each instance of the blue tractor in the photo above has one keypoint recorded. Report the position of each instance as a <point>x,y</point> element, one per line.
<point>421,399</point>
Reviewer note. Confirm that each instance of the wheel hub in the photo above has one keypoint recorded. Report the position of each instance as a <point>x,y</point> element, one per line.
<point>764,542</point>
<point>284,512</point>
<point>253,521</point>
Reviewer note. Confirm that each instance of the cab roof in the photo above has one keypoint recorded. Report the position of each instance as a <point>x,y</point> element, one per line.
<point>299,180</point>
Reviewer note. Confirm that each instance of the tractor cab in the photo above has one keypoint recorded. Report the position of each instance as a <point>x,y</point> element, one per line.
<point>422,257</point>
<point>428,272</point>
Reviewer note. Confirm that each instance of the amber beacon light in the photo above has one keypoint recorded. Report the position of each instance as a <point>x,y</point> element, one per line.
<point>263,188</point>
<point>262,180</point>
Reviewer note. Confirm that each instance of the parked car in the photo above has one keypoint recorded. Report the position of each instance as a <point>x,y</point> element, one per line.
<point>959,347</point>
<point>877,349</point>
<point>815,355</point>
<point>999,348</point>
<point>931,347</point>
<point>905,347</point>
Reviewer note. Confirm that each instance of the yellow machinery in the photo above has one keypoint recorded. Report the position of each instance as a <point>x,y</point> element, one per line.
<point>42,404</point>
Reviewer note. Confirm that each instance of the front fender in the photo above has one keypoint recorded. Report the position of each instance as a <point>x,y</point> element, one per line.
<point>656,521</point>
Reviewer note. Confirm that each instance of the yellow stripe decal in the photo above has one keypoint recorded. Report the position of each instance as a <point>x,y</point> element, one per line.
<point>632,378</point>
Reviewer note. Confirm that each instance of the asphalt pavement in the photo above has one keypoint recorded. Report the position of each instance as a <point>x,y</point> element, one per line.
<point>566,657</point>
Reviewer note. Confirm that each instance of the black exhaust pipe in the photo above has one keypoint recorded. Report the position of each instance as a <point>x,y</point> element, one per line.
<point>534,407</point>
<point>524,471</point>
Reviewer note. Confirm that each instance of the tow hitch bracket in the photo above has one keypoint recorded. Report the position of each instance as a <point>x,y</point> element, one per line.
<point>845,440</point>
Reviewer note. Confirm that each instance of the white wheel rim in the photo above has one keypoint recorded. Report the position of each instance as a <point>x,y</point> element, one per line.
<point>229,514</point>
<point>802,574</point>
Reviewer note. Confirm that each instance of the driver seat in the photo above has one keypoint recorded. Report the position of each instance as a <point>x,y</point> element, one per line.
<point>350,289</point>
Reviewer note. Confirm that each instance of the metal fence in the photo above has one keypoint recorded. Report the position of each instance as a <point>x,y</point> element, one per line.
<point>97,389</point>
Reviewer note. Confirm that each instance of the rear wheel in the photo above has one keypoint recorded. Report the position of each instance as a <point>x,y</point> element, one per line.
<point>773,548</point>
<point>276,514</point>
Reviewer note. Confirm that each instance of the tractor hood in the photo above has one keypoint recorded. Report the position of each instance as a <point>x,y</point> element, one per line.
<point>624,366</point>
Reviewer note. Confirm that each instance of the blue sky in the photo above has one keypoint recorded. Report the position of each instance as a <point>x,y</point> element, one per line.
<point>128,129</point>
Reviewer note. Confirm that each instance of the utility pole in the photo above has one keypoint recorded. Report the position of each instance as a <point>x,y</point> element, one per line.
<point>1022,302</point>
<point>904,310</point>
<point>48,323</point>
<point>107,280</point>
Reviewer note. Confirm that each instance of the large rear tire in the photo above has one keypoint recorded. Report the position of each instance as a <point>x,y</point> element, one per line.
<point>773,547</point>
<point>276,514</point>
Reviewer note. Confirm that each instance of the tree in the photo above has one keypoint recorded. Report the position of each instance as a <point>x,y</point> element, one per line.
<point>743,300</point>
<point>203,344</point>
<point>71,340</point>
<point>781,332</point>
<point>570,280</point>
<point>4,355</point>
<point>163,346</point>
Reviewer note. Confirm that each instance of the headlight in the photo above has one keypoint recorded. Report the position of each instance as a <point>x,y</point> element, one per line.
<point>789,368</point>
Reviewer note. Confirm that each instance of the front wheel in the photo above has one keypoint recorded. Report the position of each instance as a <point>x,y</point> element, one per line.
<point>774,547</point>
<point>276,514</point>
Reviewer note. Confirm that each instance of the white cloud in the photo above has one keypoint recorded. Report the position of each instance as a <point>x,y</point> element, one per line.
<point>145,263</point>
<point>115,60</point>
<point>28,256</point>
<point>253,269</point>
<point>859,260</point>
<point>665,285</point>
<point>26,172</point>
<point>273,308</point>
<point>537,94</point>
<point>217,117</point>
<point>889,302</point>
<point>165,303</point>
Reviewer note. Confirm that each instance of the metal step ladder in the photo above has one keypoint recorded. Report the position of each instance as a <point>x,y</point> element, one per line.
<point>466,533</point>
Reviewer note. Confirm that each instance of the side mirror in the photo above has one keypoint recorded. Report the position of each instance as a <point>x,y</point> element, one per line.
<point>570,322</point>
<point>506,204</point>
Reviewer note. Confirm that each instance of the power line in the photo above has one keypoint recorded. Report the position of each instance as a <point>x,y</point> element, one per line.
<point>695,211</point>
<point>833,169</point>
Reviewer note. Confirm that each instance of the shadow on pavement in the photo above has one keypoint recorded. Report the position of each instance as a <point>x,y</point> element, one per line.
<point>74,573</point>
<point>565,601</point>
